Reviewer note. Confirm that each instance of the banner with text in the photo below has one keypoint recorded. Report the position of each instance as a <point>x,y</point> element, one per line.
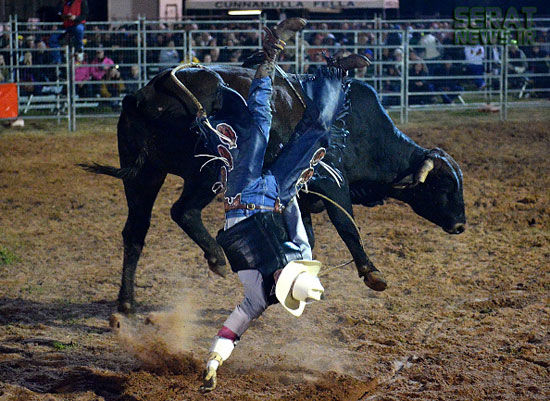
<point>269,4</point>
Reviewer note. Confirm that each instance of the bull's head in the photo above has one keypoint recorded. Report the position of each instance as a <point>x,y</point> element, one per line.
<point>435,192</point>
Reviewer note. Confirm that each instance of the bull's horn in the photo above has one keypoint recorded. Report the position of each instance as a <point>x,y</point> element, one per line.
<point>427,166</point>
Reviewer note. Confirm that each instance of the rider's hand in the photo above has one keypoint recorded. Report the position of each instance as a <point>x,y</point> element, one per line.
<point>209,380</point>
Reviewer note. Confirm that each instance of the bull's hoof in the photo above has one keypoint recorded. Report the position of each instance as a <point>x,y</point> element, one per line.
<point>115,321</point>
<point>153,319</point>
<point>126,307</point>
<point>220,270</point>
<point>375,280</point>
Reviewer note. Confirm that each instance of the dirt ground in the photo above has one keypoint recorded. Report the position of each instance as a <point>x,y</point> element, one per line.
<point>464,317</point>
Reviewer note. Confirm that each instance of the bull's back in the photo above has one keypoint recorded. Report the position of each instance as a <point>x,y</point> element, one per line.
<point>287,109</point>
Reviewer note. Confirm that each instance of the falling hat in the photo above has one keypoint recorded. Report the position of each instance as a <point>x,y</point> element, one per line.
<point>298,284</point>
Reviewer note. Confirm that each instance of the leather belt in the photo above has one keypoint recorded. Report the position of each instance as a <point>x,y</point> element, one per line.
<point>252,206</point>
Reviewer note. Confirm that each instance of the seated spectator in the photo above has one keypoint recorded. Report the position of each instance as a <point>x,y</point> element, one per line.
<point>169,55</point>
<point>26,76</point>
<point>132,81</point>
<point>43,57</point>
<point>4,70</point>
<point>30,42</point>
<point>5,38</point>
<point>430,49</point>
<point>475,55</point>
<point>235,57</point>
<point>540,66</point>
<point>227,51</point>
<point>312,53</point>
<point>391,86</point>
<point>215,54</point>
<point>251,39</point>
<point>517,65</point>
<point>448,83</point>
<point>83,74</point>
<point>543,38</point>
<point>365,73</point>
<point>113,86</point>
<point>419,85</point>
<point>100,67</point>
<point>316,58</point>
<point>414,58</point>
<point>394,38</point>
<point>330,42</point>
<point>450,50</point>
<point>398,60</point>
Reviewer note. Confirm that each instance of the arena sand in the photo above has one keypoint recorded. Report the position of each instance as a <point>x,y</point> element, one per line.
<point>465,317</point>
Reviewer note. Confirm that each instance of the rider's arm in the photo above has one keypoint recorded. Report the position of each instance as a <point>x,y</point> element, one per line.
<point>295,228</point>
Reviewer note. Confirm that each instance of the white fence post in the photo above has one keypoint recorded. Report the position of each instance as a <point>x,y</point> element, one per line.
<point>71,90</point>
<point>405,73</point>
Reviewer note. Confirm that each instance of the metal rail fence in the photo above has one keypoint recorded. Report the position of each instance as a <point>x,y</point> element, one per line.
<point>411,69</point>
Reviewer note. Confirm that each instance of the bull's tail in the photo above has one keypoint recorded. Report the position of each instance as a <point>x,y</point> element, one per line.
<point>129,107</point>
<point>125,173</point>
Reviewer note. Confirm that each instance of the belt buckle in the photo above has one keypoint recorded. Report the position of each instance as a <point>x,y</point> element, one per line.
<point>250,206</point>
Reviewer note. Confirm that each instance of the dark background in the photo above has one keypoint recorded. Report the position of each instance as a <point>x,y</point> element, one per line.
<point>44,9</point>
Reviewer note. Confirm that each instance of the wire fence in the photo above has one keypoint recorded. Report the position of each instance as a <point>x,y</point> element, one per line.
<point>416,65</point>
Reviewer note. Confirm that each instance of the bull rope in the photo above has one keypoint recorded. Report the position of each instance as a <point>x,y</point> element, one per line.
<point>287,80</point>
<point>200,110</point>
<point>198,105</point>
<point>350,217</point>
<point>202,113</point>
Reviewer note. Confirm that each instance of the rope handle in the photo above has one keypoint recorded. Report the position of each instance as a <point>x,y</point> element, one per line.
<point>198,105</point>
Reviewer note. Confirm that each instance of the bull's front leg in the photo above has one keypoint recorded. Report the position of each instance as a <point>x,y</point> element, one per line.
<point>372,277</point>
<point>187,213</point>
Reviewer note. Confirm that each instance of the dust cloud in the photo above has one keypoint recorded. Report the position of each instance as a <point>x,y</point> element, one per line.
<point>162,341</point>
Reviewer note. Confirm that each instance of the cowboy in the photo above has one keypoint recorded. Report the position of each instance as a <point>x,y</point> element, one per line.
<point>264,237</point>
<point>73,14</point>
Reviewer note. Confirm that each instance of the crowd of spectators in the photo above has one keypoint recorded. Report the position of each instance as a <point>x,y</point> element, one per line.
<point>110,65</point>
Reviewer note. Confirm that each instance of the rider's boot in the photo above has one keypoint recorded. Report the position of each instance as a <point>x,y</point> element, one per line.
<point>274,42</point>
<point>351,62</point>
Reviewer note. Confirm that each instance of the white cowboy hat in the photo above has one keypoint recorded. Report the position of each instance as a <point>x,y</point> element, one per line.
<point>298,284</point>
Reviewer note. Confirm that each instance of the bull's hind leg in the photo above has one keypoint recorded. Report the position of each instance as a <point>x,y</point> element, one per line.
<point>187,213</point>
<point>141,193</point>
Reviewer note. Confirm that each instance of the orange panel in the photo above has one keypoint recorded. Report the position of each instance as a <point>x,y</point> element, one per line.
<point>8,101</point>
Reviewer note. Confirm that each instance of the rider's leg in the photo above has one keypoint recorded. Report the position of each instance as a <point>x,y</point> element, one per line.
<point>259,95</point>
<point>246,176</point>
<point>325,100</point>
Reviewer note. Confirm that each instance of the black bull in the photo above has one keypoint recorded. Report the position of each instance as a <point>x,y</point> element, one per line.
<point>155,139</point>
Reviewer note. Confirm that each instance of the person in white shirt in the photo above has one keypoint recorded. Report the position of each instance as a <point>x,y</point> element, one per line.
<point>474,56</point>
